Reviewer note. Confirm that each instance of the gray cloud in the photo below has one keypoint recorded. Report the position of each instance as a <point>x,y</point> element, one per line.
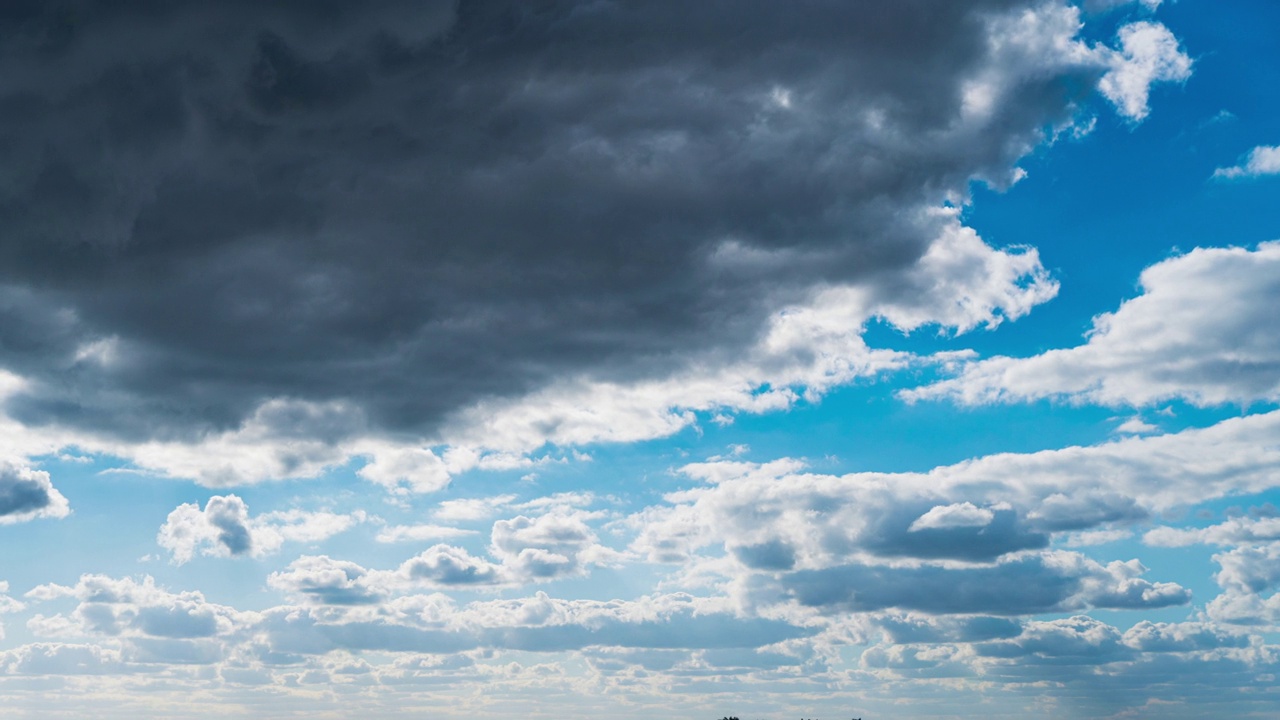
<point>20,495</point>
<point>410,206</point>
<point>26,493</point>
<point>1021,586</point>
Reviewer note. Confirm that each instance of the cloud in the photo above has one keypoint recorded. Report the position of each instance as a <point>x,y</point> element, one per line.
<point>965,538</point>
<point>468,509</point>
<point>1236,531</point>
<point>1249,569</point>
<point>149,621</point>
<point>27,494</point>
<point>326,580</point>
<point>1149,53</point>
<point>1150,636</point>
<point>953,516</point>
<point>1136,426</point>
<point>1079,637</point>
<point>1197,332</point>
<point>1051,582</point>
<point>547,547</point>
<point>224,529</point>
<point>8,604</point>
<point>777,515</point>
<point>444,565</point>
<point>1247,573</point>
<point>553,545</point>
<point>413,533</point>
<point>60,659</point>
<point>1262,160</point>
<point>1104,5</point>
<point>502,187</point>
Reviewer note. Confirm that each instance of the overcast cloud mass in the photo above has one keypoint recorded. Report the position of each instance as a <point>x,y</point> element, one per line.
<point>664,359</point>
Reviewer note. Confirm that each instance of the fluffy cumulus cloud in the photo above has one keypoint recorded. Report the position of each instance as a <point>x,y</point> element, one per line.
<point>225,529</point>
<point>258,242</point>
<point>145,623</point>
<point>26,493</point>
<point>1262,160</point>
<point>1148,53</point>
<point>1200,331</point>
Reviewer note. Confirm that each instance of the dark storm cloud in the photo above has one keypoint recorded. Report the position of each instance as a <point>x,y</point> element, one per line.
<point>408,206</point>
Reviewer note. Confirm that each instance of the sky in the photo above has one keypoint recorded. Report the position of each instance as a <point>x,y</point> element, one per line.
<point>563,359</point>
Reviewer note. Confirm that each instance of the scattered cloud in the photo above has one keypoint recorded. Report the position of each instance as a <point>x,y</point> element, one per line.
<point>1262,160</point>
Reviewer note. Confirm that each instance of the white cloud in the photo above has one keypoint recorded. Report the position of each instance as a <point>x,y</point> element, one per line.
<point>1262,160</point>
<point>60,659</point>
<point>133,609</point>
<point>1148,53</point>
<point>547,547</point>
<point>956,515</point>
<point>1136,426</point>
<point>415,533</point>
<point>224,529</point>
<point>469,509</point>
<point>1199,331</point>
<point>1232,532</point>
<point>557,544</point>
<point>1237,607</point>
<point>448,566</point>
<point>1181,637</point>
<point>1252,569</point>
<point>418,468</point>
<point>326,580</point>
<point>1249,576</point>
<point>1089,538</point>
<point>1104,5</point>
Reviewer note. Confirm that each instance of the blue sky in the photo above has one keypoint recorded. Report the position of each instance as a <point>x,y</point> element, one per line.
<point>568,358</point>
